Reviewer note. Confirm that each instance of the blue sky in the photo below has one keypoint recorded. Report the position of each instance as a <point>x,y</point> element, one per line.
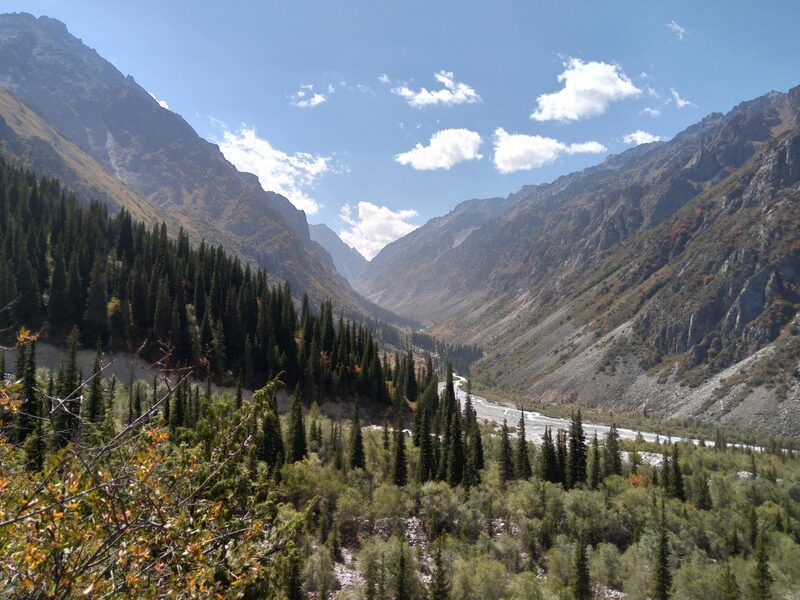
<point>476,85</point>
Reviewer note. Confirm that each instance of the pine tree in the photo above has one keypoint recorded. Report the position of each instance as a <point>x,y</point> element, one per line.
<point>562,458</point>
<point>440,581</point>
<point>523,463</point>
<point>455,451</point>
<point>95,319</point>
<point>29,412</point>
<point>577,452</point>
<point>760,585</point>
<point>357,460</point>
<point>612,458</point>
<point>427,463</point>
<point>296,445</point>
<point>506,459</point>
<point>399,476</point>
<point>727,587</point>
<point>662,577</point>
<point>548,467</point>
<point>676,477</point>
<point>95,401</point>
<point>58,309</point>
<point>594,467</point>
<point>402,577</point>
<point>580,581</point>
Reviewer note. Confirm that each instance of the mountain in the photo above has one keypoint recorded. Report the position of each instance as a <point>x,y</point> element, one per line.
<point>84,107</point>
<point>664,279</point>
<point>348,261</point>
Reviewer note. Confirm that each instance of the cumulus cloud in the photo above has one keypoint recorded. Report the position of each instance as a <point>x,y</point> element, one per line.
<point>676,29</point>
<point>680,102</point>
<point>518,152</point>
<point>374,227</point>
<point>453,92</point>
<point>446,148</point>
<point>640,137</point>
<point>306,97</point>
<point>589,88</point>
<point>161,103</point>
<point>292,175</point>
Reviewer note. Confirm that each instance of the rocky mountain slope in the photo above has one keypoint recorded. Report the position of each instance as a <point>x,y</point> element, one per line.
<point>664,279</point>
<point>348,261</point>
<point>154,153</point>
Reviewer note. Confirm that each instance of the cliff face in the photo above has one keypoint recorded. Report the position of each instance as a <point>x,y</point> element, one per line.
<point>669,264</point>
<point>156,154</point>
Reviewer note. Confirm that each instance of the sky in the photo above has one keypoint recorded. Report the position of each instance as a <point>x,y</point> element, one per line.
<point>374,117</point>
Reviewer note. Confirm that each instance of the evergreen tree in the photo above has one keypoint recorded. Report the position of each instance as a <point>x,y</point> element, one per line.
<point>612,457</point>
<point>296,445</point>
<point>399,476</point>
<point>28,412</point>
<point>676,477</point>
<point>577,451</point>
<point>455,452</point>
<point>662,576</point>
<point>402,577</point>
<point>594,466</point>
<point>548,466</point>
<point>95,401</point>
<point>562,458</point>
<point>523,463</point>
<point>506,459</point>
<point>95,319</point>
<point>58,308</point>
<point>760,585</point>
<point>727,587</point>
<point>357,460</point>
<point>427,462</point>
<point>580,581</point>
<point>440,581</point>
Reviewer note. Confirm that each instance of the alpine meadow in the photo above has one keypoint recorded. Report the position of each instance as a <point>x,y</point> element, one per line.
<point>400,301</point>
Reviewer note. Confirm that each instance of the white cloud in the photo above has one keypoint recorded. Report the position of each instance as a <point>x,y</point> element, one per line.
<point>161,103</point>
<point>517,152</point>
<point>306,97</point>
<point>676,29</point>
<point>446,148</point>
<point>640,137</point>
<point>374,227</point>
<point>653,112</point>
<point>289,174</point>
<point>384,78</point>
<point>680,102</point>
<point>453,92</point>
<point>589,88</point>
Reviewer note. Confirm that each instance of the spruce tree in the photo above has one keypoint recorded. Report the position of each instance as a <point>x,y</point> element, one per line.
<point>440,581</point>
<point>727,587</point>
<point>523,463</point>
<point>95,400</point>
<point>612,457</point>
<point>662,576</point>
<point>760,585</point>
<point>506,458</point>
<point>402,589</point>
<point>357,459</point>
<point>455,452</point>
<point>594,467</point>
<point>577,452</point>
<point>58,309</point>
<point>399,468</point>
<point>427,462</point>
<point>296,445</point>
<point>95,319</point>
<point>580,581</point>
<point>676,476</point>
<point>548,467</point>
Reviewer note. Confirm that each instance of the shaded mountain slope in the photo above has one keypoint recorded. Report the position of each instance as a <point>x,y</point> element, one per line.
<point>348,261</point>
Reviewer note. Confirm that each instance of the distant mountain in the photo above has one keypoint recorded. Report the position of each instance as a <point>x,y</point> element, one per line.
<point>664,279</point>
<point>151,151</point>
<point>348,261</point>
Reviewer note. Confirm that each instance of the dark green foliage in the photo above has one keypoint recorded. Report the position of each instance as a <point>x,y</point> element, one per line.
<point>548,462</point>
<point>580,581</point>
<point>95,320</point>
<point>727,586</point>
<point>594,464</point>
<point>357,459</point>
<point>676,477</point>
<point>440,581</point>
<point>576,473</point>
<point>95,402</point>
<point>399,468</point>
<point>427,460</point>
<point>296,444</point>
<point>662,576</point>
<point>506,455</point>
<point>760,585</point>
<point>522,464</point>
<point>455,451</point>
<point>612,458</point>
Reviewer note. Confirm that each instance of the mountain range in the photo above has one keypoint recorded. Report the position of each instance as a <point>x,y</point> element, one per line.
<point>347,260</point>
<point>67,112</point>
<point>663,280</point>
